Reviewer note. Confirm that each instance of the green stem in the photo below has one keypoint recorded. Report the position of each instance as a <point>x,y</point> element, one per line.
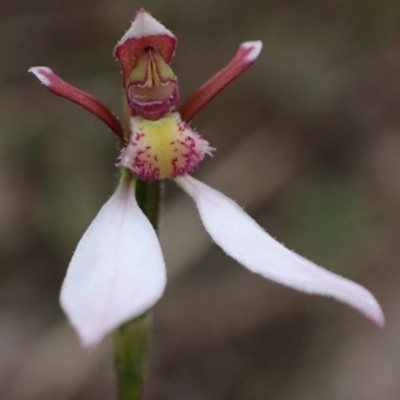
<point>131,339</point>
<point>130,348</point>
<point>149,196</point>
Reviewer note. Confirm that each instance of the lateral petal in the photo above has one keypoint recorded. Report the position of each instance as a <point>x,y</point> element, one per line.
<point>117,271</point>
<point>62,88</point>
<point>245,56</point>
<point>245,241</point>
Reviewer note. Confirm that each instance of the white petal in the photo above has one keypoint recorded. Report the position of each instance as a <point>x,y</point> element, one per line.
<point>244,240</point>
<point>117,271</point>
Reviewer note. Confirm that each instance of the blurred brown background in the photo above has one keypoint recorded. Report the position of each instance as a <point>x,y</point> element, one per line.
<point>308,141</point>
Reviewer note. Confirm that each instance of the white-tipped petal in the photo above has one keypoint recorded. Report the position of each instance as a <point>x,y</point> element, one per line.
<point>62,88</point>
<point>244,240</point>
<point>245,56</point>
<point>254,48</point>
<point>117,271</point>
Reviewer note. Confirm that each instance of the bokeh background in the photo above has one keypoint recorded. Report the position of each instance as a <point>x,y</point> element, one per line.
<point>308,141</point>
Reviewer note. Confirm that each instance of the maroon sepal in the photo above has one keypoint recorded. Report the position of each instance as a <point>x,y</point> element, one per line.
<point>145,32</point>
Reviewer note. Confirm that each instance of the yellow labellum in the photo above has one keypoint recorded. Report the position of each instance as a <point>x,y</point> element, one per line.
<point>165,148</point>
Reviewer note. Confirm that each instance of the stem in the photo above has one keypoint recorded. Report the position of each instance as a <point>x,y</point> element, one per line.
<point>131,339</point>
<point>149,197</point>
<point>130,348</point>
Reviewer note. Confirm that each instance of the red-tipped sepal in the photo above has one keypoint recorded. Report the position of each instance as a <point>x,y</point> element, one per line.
<point>245,56</point>
<point>145,32</point>
<point>61,88</point>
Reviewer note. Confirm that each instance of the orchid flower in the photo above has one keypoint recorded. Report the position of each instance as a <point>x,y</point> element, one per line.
<point>117,271</point>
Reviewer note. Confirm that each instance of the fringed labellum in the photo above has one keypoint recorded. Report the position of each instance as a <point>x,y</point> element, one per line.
<point>166,148</point>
